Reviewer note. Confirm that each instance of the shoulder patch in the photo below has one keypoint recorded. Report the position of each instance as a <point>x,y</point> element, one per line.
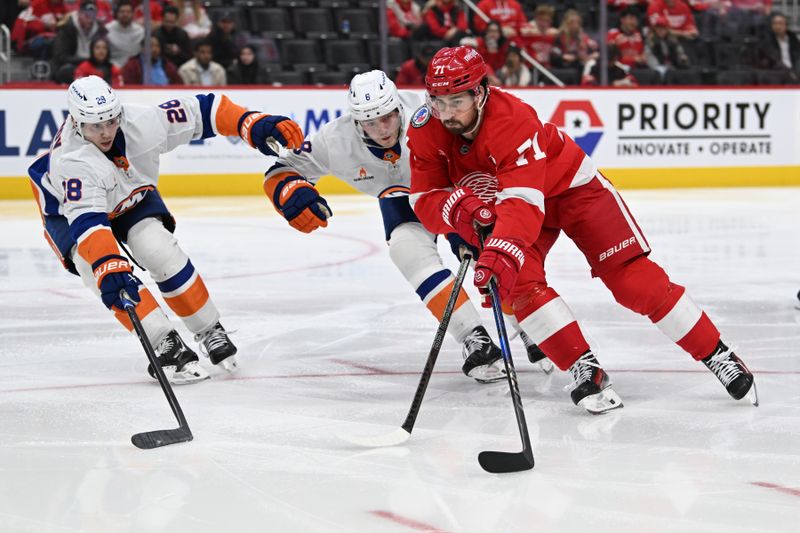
<point>420,117</point>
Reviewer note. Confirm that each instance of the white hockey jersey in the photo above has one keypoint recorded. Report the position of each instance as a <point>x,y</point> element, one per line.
<point>338,149</point>
<point>82,179</point>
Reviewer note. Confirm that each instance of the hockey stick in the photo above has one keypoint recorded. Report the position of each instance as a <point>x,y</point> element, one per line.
<point>503,462</point>
<point>160,437</point>
<point>402,434</point>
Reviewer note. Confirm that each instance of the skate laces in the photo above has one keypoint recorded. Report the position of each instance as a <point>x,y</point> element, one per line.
<point>475,341</point>
<point>211,339</point>
<point>724,366</point>
<point>581,370</point>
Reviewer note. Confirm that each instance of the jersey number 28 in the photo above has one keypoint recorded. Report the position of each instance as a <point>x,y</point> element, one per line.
<point>175,113</point>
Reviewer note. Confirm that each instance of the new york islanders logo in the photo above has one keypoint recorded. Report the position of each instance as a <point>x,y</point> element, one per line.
<point>579,120</point>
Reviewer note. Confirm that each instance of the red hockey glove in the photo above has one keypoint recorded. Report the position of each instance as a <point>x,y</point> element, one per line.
<point>502,260</point>
<point>467,214</point>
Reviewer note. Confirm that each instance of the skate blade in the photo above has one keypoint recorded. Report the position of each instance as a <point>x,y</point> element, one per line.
<point>190,373</point>
<point>752,395</point>
<point>488,373</point>
<point>602,402</point>
<point>546,365</point>
<point>229,364</point>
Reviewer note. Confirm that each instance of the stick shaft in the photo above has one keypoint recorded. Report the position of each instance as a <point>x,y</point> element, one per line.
<point>413,411</point>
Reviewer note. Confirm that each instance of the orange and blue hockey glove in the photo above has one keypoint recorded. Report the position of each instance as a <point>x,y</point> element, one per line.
<point>267,132</point>
<point>299,202</point>
<point>113,273</point>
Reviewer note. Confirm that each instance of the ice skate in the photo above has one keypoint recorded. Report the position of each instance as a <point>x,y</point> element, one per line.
<point>483,360</point>
<point>179,362</point>
<point>536,355</point>
<point>732,373</point>
<point>591,386</point>
<point>215,344</point>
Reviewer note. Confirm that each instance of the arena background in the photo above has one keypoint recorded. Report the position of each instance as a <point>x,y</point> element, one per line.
<point>640,138</point>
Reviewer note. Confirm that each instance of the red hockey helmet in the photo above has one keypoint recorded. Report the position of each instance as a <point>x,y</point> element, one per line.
<point>453,70</point>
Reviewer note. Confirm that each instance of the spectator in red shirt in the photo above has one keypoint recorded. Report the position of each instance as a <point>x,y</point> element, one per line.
<point>628,39</point>
<point>35,27</point>
<point>493,46</point>
<point>162,72</point>
<point>99,64</point>
<point>573,46</point>
<point>404,18</point>
<point>445,20</point>
<point>679,17</point>
<point>412,72</point>
<point>539,36</point>
<point>621,5</point>
<point>507,12</point>
<point>156,12</point>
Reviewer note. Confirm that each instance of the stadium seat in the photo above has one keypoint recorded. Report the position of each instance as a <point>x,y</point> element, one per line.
<point>314,23</point>
<point>772,77</point>
<point>334,4</point>
<point>302,55</point>
<point>361,23</point>
<point>736,77</point>
<point>330,78</point>
<point>684,77</point>
<point>291,4</point>
<point>567,75</point>
<point>344,52</point>
<point>728,55</point>
<point>397,51</point>
<point>287,78</point>
<point>646,76</point>
<point>272,22</point>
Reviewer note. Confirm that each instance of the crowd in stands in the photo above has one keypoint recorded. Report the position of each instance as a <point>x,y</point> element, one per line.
<point>219,42</point>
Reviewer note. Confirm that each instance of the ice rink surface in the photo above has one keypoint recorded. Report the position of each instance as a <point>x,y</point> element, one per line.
<point>332,340</point>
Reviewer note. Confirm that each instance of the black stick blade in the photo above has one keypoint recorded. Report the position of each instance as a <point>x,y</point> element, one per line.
<point>161,437</point>
<point>505,462</point>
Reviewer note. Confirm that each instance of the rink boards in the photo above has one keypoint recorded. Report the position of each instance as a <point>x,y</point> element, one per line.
<point>640,138</point>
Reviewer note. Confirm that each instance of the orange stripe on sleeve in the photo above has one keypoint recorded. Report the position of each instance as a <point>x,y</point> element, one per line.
<point>145,307</point>
<point>190,301</point>
<point>227,117</point>
<point>437,304</point>
<point>97,244</point>
<point>271,183</point>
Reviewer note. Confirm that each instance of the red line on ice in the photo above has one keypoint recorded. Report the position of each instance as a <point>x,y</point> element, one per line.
<point>779,488</point>
<point>402,520</point>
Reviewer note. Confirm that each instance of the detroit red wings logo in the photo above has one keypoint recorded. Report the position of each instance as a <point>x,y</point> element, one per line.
<point>482,184</point>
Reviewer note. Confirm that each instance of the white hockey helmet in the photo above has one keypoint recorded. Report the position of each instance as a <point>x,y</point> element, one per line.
<point>91,100</point>
<point>372,95</point>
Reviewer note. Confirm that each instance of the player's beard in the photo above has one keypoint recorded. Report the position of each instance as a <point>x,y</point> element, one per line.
<point>457,127</point>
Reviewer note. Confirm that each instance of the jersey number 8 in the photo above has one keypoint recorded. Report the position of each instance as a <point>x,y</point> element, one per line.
<point>72,189</point>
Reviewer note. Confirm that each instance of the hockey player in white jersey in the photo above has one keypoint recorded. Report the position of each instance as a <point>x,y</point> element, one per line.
<point>97,188</point>
<point>363,148</point>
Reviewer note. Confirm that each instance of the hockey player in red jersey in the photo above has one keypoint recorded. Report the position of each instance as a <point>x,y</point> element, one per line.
<point>482,160</point>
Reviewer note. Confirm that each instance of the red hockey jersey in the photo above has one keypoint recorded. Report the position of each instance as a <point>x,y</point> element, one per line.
<point>514,163</point>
